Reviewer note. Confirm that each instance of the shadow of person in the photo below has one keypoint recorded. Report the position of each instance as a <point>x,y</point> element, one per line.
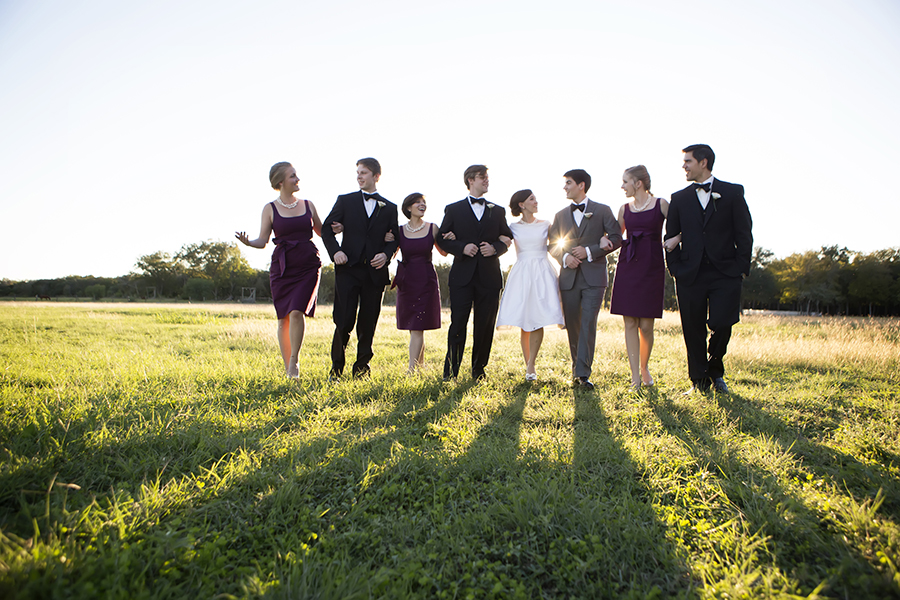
<point>739,483</point>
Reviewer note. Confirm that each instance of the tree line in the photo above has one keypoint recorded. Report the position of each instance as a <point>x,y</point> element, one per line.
<point>831,280</point>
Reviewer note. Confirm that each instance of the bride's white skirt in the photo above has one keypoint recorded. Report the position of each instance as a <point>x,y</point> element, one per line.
<point>530,300</point>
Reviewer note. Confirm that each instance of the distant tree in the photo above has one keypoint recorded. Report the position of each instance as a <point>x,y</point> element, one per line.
<point>160,271</point>
<point>95,291</point>
<point>326,285</point>
<point>443,275</point>
<point>221,262</point>
<point>612,261</point>
<point>760,287</point>
<point>802,280</point>
<point>871,284</point>
<point>198,288</point>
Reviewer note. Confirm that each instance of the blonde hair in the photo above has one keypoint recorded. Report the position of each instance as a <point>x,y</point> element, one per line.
<point>277,174</point>
<point>639,173</point>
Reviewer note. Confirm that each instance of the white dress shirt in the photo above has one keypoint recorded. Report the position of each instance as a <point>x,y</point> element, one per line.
<point>478,209</point>
<point>703,195</point>
<point>369,203</point>
<point>578,215</point>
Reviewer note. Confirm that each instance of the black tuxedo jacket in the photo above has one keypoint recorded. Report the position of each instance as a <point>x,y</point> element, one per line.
<point>363,236</point>
<point>460,219</point>
<point>722,232</point>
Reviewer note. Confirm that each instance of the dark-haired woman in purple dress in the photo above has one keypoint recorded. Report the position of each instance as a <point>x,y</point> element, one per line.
<point>296,268</point>
<point>639,286</point>
<point>418,294</point>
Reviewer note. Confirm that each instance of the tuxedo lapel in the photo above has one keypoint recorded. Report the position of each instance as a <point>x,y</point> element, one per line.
<point>469,215</point>
<point>584,218</point>
<point>484,218</point>
<point>711,206</point>
<point>692,206</point>
<point>371,219</point>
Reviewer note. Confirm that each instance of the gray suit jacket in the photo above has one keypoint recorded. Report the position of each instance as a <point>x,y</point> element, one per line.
<point>564,236</point>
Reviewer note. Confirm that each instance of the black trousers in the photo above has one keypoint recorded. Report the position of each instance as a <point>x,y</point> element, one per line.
<point>713,299</point>
<point>354,292</point>
<point>485,301</point>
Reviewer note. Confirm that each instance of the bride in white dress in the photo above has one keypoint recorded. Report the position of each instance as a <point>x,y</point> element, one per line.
<point>531,298</point>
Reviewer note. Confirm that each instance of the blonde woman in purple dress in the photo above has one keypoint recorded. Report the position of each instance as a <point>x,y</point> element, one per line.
<point>639,286</point>
<point>296,268</point>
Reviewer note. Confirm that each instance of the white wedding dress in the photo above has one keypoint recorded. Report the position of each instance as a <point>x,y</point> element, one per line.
<point>531,297</point>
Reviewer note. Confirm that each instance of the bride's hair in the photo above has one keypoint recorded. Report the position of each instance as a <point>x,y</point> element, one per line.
<point>517,198</point>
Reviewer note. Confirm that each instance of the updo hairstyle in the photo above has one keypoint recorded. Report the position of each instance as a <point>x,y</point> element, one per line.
<point>518,198</point>
<point>277,174</point>
<point>639,173</point>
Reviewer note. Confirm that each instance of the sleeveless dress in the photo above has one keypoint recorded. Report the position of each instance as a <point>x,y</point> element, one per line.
<point>418,294</point>
<point>531,298</point>
<point>295,269</point>
<point>640,279</point>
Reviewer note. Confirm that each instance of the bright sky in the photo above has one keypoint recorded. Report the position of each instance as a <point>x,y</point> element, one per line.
<point>132,127</point>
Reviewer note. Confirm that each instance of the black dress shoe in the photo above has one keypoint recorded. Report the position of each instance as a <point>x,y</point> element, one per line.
<point>720,386</point>
<point>583,383</point>
<point>699,385</point>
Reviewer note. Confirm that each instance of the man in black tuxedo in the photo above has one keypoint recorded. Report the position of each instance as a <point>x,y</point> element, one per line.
<point>360,264</point>
<point>475,278</point>
<point>709,266</point>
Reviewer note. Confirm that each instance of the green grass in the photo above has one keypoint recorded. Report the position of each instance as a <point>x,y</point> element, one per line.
<point>156,451</point>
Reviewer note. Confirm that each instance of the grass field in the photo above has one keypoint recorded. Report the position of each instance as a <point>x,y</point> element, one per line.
<point>152,451</point>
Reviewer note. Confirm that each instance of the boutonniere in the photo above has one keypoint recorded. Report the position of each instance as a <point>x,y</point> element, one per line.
<point>588,215</point>
<point>380,204</point>
<point>489,205</point>
<point>716,195</point>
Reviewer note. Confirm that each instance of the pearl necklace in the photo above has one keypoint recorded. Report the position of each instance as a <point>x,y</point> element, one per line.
<point>646,205</point>
<point>287,206</point>
<point>419,228</point>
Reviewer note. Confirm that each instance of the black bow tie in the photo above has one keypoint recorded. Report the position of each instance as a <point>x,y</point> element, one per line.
<point>476,200</point>
<point>369,196</point>
<point>701,186</point>
<point>575,207</point>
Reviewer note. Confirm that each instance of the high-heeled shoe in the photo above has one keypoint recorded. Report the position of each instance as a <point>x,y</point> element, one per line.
<point>530,376</point>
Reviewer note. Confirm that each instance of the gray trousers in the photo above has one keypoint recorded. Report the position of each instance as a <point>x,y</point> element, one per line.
<point>581,305</point>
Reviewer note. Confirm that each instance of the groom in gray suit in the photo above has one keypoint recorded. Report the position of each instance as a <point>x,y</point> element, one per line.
<point>580,238</point>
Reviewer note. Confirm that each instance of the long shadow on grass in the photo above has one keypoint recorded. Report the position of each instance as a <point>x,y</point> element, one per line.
<point>285,498</point>
<point>860,479</point>
<point>552,529</point>
<point>400,517</point>
<point>806,549</point>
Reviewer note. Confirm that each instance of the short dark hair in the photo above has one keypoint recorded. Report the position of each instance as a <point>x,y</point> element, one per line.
<point>371,164</point>
<point>580,176</point>
<point>472,172</point>
<point>517,198</point>
<point>409,201</point>
<point>701,151</point>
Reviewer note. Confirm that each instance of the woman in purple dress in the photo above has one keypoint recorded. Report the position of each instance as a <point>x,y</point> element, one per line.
<point>418,294</point>
<point>639,285</point>
<point>295,269</point>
